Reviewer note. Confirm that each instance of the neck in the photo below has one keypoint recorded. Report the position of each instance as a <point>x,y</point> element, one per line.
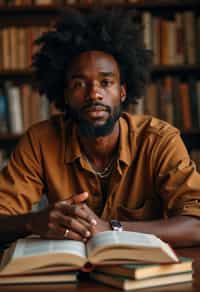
<point>102,149</point>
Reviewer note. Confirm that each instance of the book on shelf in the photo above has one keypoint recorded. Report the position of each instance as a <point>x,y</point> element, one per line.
<point>3,112</point>
<point>189,33</point>
<point>179,39</point>
<point>193,101</point>
<point>14,108</point>
<point>35,255</point>
<point>130,284</point>
<point>185,105</point>
<point>142,271</point>
<point>147,30</point>
<point>43,2</point>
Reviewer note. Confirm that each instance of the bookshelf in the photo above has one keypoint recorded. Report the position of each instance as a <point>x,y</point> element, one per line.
<point>37,16</point>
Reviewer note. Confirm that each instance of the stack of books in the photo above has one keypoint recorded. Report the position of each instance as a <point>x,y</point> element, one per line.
<point>139,276</point>
<point>109,257</point>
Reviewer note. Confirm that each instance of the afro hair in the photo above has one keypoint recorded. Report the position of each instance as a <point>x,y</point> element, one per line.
<point>116,32</point>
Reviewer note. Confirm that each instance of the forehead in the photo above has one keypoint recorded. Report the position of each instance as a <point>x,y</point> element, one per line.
<point>96,62</point>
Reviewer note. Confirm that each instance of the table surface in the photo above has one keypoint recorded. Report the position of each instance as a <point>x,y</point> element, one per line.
<point>87,285</point>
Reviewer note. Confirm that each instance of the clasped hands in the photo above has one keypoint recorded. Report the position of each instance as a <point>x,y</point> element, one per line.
<point>70,218</point>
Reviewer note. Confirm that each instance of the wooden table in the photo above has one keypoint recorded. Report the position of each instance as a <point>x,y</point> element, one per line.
<point>87,285</point>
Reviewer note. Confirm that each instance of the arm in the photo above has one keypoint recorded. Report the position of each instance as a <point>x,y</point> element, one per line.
<point>21,185</point>
<point>50,222</point>
<point>178,184</point>
<point>178,231</point>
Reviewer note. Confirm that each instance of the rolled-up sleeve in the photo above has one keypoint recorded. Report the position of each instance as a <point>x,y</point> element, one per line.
<point>177,180</point>
<point>21,183</point>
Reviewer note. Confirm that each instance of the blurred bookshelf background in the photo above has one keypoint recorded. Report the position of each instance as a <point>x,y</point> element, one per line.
<point>171,30</point>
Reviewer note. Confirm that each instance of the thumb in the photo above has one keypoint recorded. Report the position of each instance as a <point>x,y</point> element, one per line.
<point>78,198</point>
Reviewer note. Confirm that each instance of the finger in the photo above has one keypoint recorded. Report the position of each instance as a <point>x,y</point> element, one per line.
<point>58,232</point>
<point>89,212</point>
<point>74,236</point>
<point>55,231</point>
<point>79,198</point>
<point>90,227</point>
<point>74,211</point>
<point>70,223</point>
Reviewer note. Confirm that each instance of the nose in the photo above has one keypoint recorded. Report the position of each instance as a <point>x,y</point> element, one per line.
<point>94,91</point>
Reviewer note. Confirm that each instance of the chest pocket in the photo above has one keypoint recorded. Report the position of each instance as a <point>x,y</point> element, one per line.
<point>151,209</point>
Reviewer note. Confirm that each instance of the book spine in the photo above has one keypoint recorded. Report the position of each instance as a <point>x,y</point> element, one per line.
<point>185,105</point>
<point>147,30</point>
<point>14,108</point>
<point>179,39</point>
<point>3,112</point>
<point>189,29</point>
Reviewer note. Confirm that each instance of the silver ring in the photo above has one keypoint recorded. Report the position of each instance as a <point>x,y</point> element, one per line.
<point>66,233</point>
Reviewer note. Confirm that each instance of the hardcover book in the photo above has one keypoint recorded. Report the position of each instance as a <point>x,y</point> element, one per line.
<point>143,271</point>
<point>129,284</point>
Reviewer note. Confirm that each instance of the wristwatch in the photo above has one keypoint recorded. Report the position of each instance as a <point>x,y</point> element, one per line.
<point>116,225</point>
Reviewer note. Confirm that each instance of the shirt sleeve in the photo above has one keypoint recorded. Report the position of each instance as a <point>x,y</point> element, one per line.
<point>177,180</point>
<point>21,183</point>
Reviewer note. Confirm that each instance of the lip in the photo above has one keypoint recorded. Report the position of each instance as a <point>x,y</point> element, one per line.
<point>96,108</point>
<point>96,112</point>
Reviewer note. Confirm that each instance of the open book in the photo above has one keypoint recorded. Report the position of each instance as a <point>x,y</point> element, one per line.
<point>33,255</point>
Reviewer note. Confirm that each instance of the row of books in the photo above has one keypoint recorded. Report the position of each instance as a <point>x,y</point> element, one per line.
<point>35,260</point>
<point>16,46</point>
<point>173,100</point>
<point>174,40</point>
<point>63,2</point>
<point>20,107</point>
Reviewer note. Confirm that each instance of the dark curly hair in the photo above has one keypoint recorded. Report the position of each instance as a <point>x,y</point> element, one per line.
<point>117,32</point>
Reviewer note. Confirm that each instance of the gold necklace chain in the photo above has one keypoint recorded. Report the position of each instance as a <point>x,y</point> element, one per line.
<point>106,171</point>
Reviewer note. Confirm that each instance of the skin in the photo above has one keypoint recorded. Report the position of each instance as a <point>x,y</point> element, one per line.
<point>94,77</point>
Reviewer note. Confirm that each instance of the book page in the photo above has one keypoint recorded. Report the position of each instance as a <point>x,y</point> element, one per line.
<point>116,238</point>
<point>31,247</point>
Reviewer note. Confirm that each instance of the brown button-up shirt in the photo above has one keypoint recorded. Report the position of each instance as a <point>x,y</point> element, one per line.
<point>153,176</point>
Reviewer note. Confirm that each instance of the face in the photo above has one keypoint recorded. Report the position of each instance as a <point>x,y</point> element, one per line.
<point>94,93</point>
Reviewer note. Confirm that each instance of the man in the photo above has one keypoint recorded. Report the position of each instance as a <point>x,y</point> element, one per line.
<point>95,163</point>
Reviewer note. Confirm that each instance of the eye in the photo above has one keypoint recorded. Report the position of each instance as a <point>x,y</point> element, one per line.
<point>77,84</point>
<point>106,82</point>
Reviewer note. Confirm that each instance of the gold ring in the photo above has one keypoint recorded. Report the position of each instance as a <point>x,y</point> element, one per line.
<point>66,233</point>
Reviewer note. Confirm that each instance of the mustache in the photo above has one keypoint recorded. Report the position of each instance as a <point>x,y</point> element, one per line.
<point>93,104</point>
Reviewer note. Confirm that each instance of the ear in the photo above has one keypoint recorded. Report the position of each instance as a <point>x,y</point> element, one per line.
<point>123,93</point>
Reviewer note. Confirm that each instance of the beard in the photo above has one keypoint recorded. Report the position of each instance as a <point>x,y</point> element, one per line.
<point>86,128</point>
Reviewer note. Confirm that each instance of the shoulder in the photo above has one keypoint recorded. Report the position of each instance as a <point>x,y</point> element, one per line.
<point>52,128</point>
<point>144,125</point>
<point>53,124</point>
<point>45,134</point>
